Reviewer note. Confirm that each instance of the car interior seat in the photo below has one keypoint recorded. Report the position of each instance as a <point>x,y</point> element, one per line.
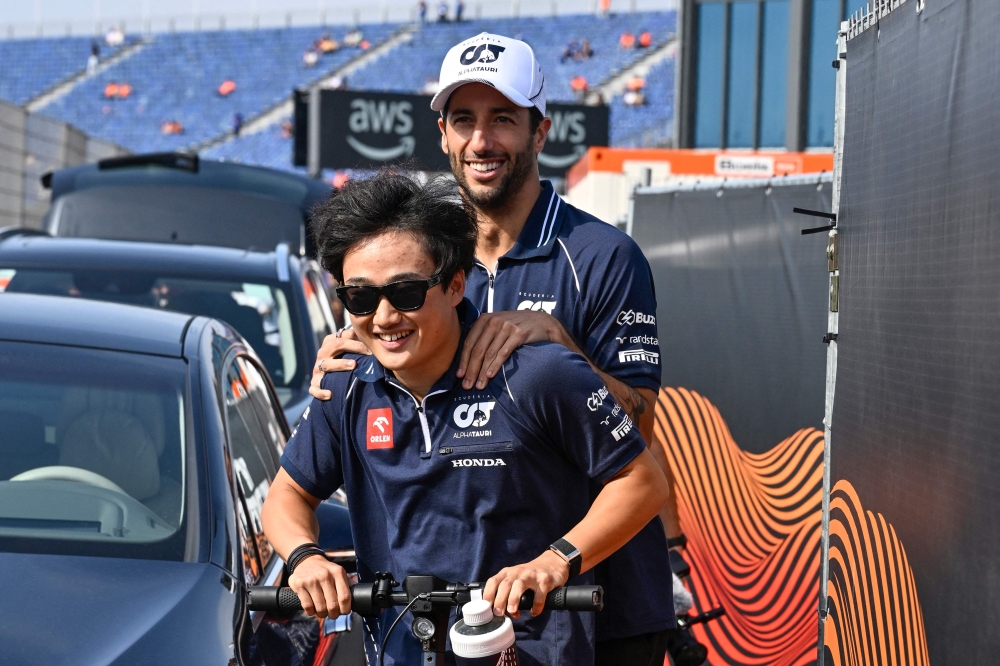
<point>22,444</point>
<point>121,436</point>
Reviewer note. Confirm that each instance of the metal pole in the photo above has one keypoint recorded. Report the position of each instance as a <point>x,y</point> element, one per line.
<point>833,323</point>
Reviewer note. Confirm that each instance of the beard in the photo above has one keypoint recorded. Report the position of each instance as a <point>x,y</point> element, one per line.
<point>520,167</point>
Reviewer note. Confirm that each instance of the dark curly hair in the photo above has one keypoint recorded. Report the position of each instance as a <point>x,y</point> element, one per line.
<point>393,202</point>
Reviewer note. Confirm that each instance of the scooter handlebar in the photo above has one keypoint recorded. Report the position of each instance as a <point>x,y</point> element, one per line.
<point>572,598</point>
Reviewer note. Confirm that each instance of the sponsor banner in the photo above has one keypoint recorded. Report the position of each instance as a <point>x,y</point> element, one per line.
<point>368,130</point>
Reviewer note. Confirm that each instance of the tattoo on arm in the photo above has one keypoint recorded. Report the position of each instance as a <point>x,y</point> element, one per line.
<point>635,405</point>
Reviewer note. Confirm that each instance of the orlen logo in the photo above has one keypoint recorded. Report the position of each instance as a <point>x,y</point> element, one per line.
<point>481,53</point>
<point>627,317</point>
<point>544,306</point>
<point>379,434</point>
<point>475,414</point>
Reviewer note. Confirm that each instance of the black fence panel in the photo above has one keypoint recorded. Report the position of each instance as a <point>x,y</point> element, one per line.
<point>742,299</point>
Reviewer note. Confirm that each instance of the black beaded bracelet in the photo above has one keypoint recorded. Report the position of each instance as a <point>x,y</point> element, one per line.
<point>301,553</point>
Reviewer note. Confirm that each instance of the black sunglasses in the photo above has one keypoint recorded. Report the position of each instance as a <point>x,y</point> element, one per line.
<point>405,295</point>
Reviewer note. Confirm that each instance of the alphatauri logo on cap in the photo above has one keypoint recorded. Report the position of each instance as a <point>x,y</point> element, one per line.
<point>481,53</point>
<point>379,435</point>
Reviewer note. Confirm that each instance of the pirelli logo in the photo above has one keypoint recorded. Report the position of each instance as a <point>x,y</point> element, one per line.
<point>638,356</point>
<point>622,428</point>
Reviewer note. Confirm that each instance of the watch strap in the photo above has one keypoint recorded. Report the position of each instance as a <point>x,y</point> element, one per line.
<point>571,554</point>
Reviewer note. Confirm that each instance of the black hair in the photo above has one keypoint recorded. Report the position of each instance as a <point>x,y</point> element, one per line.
<point>393,202</point>
<point>535,116</point>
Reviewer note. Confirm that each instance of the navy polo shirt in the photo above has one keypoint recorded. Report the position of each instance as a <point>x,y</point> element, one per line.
<point>595,280</point>
<point>464,483</point>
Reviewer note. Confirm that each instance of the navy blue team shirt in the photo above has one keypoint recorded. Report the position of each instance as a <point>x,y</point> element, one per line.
<point>595,280</point>
<point>466,482</point>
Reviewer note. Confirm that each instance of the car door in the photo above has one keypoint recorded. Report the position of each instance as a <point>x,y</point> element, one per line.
<point>256,437</point>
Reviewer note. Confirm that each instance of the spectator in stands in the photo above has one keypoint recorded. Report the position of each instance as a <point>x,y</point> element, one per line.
<point>443,11</point>
<point>227,88</point>
<point>422,11</point>
<point>569,53</point>
<point>459,8</point>
<point>287,129</point>
<point>585,51</point>
<point>605,7</point>
<point>635,95</point>
<point>111,90</point>
<point>171,127</point>
<point>237,123</point>
<point>124,90</point>
<point>92,60</point>
<point>579,85</point>
<point>645,39</point>
<point>327,44</point>
<point>310,57</point>
<point>627,40</point>
<point>336,82</point>
<point>114,37</point>
<point>353,38</point>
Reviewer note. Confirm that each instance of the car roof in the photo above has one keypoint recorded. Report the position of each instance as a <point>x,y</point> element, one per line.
<point>79,322</point>
<point>36,251</point>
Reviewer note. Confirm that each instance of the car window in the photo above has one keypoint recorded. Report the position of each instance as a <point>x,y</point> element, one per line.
<point>92,455</point>
<point>254,447</point>
<point>261,311</point>
<point>320,315</point>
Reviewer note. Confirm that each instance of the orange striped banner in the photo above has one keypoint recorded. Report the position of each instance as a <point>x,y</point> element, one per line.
<point>874,615</point>
<point>753,528</point>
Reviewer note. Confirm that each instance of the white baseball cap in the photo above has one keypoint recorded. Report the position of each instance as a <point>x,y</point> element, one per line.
<point>509,65</point>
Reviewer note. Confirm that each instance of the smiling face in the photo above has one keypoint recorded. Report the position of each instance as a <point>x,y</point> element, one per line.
<point>490,144</point>
<point>419,345</point>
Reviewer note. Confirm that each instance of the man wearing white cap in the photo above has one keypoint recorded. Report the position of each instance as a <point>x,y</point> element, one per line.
<point>546,271</point>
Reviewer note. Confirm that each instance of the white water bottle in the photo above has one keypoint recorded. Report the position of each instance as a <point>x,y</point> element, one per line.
<point>480,638</point>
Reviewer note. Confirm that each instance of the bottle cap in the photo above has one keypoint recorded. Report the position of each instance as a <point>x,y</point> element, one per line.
<point>477,612</point>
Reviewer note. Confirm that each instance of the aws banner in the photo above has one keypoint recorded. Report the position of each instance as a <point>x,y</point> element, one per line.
<point>367,130</point>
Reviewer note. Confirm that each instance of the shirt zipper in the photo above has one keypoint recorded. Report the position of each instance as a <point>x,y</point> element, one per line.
<point>421,414</point>
<point>492,276</point>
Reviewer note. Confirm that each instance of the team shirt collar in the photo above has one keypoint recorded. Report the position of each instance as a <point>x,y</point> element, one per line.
<point>538,237</point>
<point>370,370</point>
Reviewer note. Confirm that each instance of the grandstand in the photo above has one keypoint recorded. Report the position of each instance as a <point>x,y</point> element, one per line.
<point>175,77</point>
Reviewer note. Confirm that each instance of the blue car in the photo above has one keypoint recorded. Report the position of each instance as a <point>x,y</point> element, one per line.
<point>137,446</point>
<point>276,300</point>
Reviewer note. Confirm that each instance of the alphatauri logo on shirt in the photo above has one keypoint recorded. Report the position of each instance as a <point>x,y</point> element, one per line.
<point>543,306</point>
<point>379,435</point>
<point>476,414</point>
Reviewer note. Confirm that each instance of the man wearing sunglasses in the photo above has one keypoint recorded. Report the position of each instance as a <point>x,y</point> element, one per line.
<point>483,483</point>
<point>547,271</point>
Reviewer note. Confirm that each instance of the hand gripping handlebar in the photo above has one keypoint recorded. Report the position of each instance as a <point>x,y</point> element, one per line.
<point>369,599</point>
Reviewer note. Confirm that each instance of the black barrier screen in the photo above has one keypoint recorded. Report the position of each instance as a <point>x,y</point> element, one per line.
<point>741,299</point>
<point>916,421</point>
<point>367,130</point>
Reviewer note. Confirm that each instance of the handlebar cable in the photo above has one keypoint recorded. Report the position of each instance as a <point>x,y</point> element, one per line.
<point>381,650</point>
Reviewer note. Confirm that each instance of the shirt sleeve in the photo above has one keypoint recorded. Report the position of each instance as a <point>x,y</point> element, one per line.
<point>312,455</point>
<point>560,395</point>
<point>620,328</point>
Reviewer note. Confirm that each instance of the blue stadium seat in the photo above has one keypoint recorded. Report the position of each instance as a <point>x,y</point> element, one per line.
<point>29,67</point>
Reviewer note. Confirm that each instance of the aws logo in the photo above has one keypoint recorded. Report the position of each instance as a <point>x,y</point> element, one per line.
<point>379,435</point>
<point>481,53</point>
<point>370,116</point>
<point>476,414</point>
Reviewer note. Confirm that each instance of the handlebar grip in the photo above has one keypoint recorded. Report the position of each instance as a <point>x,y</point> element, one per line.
<point>273,599</point>
<point>571,598</point>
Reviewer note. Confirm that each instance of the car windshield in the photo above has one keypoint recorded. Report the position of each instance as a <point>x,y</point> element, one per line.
<point>261,311</point>
<point>92,454</point>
